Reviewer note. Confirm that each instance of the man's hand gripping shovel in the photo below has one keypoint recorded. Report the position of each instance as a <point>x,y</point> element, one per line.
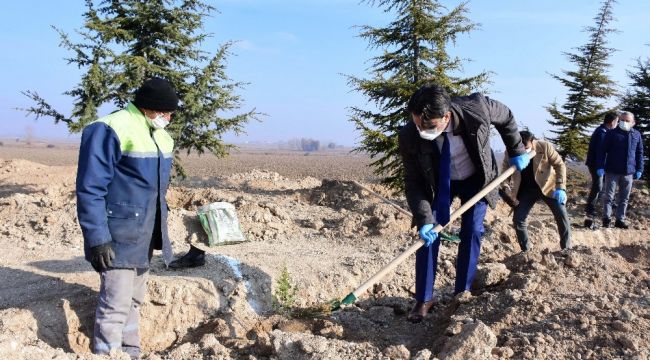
<point>353,296</point>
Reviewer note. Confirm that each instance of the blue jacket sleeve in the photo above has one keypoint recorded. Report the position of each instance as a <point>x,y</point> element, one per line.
<point>639,154</point>
<point>602,146</point>
<point>98,155</point>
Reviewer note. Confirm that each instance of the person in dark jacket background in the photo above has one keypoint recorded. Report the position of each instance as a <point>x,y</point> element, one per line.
<point>610,122</point>
<point>620,160</point>
<point>445,150</point>
<point>125,160</point>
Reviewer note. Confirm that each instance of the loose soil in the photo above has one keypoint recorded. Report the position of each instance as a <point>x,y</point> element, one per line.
<point>592,302</point>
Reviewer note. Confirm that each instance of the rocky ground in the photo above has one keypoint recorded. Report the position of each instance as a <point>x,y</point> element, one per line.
<point>589,303</point>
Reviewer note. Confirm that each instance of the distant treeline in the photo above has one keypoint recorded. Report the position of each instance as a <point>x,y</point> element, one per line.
<point>306,144</point>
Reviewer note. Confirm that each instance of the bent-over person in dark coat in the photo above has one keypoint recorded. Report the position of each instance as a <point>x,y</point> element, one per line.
<point>446,151</point>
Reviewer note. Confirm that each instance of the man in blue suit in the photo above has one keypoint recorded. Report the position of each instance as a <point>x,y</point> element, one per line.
<point>446,151</point>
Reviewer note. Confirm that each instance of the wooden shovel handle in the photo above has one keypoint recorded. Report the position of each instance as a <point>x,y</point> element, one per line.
<point>455,215</point>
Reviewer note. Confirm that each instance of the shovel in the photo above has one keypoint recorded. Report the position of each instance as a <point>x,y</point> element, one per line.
<point>353,296</point>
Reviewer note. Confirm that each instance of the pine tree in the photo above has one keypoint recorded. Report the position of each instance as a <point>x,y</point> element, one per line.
<point>126,42</point>
<point>637,101</point>
<point>588,86</point>
<point>414,53</point>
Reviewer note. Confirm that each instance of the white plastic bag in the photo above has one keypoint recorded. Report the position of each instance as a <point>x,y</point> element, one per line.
<point>219,220</point>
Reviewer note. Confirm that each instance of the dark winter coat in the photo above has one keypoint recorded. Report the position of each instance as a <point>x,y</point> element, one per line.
<point>122,177</point>
<point>622,152</point>
<point>472,116</point>
<point>595,145</point>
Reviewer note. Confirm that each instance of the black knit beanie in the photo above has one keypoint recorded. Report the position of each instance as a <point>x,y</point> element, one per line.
<point>156,94</point>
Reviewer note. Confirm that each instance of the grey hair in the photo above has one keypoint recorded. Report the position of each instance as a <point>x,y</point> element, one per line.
<point>625,113</point>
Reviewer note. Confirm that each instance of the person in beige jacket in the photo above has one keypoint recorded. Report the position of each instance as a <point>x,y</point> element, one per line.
<point>545,180</point>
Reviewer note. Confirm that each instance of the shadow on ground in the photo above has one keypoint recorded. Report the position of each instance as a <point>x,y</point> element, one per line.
<point>64,311</point>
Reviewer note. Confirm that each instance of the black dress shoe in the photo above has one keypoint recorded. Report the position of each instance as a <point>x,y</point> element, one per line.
<point>420,310</point>
<point>195,257</point>
<point>606,223</point>
<point>621,224</point>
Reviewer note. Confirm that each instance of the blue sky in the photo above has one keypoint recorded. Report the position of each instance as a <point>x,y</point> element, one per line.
<point>293,53</point>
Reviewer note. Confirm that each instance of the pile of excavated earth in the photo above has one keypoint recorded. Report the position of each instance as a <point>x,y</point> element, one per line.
<point>592,302</point>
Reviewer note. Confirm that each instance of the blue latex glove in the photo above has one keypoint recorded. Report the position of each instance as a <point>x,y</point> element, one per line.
<point>637,175</point>
<point>560,196</point>
<point>427,234</point>
<point>521,161</point>
<point>600,172</point>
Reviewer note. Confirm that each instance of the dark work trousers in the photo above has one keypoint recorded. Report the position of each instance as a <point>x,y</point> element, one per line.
<point>595,193</point>
<point>117,317</point>
<point>527,198</point>
<point>471,230</point>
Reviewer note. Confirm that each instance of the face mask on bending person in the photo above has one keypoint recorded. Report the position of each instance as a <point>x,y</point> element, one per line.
<point>430,128</point>
<point>430,135</point>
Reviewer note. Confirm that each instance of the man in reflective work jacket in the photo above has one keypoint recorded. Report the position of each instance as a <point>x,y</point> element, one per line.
<point>124,165</point>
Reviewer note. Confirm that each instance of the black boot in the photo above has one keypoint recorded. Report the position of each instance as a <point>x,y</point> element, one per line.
<point>606,222</point>
<point>195,257</point>
<point>590,224</point>
<point>621,224</point>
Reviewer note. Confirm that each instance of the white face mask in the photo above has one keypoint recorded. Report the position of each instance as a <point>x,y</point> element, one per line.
<point>159,122</point>
<point>624,125</point>
<point>429,134</point>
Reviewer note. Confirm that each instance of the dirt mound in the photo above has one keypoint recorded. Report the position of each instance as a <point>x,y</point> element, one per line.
<point>37,205</point>
<point>555,302</point>
<point>331,235</point>
<point>270,180</point>
<point>19,334</point>
<point>286,209</point>
<point>337,195</point>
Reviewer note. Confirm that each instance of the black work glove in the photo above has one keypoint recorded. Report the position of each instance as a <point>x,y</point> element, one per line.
<point>102,257</point>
